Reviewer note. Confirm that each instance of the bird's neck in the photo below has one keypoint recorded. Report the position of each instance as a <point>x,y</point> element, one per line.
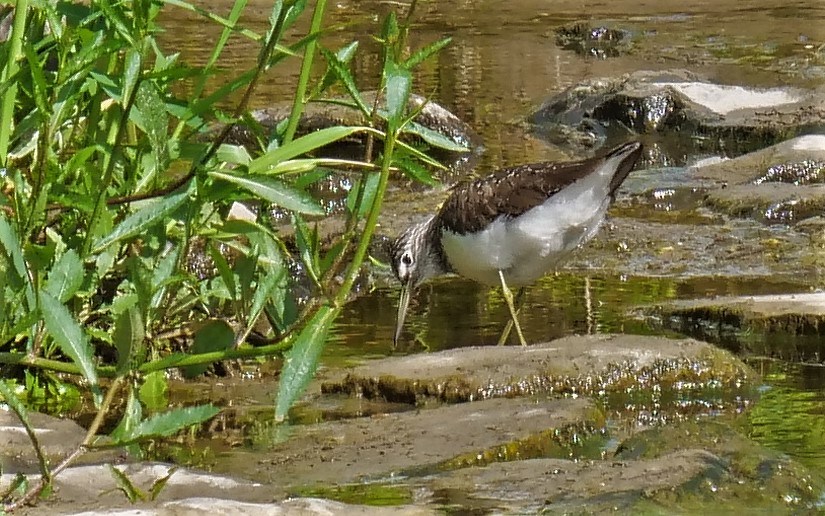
<point>435,261</point>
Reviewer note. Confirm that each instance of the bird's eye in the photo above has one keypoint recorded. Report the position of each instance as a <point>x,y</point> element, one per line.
<point>406,259</point>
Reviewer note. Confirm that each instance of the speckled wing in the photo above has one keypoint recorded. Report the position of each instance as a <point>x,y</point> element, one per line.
<point>473,205</point>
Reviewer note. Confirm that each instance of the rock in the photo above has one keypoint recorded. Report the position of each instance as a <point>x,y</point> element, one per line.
<point>564,486</point>
<point>793,323</point>
<point>578,364</point>
<point>784,183</point>
<point>57,438</point>
<point>355,450</point>
<point>600,42</point>
<point>320,115</point>
<point>686,114</point>
<point>91,490</point>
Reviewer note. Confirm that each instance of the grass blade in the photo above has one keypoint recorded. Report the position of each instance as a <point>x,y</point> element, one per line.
<point>301,146</point>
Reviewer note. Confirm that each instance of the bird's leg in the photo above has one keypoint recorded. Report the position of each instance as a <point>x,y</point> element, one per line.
<point>505,334</point>
<point>508,296</point>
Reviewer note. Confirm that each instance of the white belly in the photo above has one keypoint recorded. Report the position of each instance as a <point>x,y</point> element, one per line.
<point>529,246</point>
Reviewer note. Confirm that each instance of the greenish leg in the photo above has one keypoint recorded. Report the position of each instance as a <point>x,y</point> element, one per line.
<point>508,296</point>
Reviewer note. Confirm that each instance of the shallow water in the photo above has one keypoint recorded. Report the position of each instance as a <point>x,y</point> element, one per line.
<point>503,62</point>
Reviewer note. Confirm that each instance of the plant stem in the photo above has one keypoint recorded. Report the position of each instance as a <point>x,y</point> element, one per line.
<point>9,97</point>
<point>372,222</point>
<point>306,68</point>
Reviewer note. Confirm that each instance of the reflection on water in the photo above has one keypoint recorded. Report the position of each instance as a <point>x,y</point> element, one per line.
<point>790,415</point>
<point>454,313</point>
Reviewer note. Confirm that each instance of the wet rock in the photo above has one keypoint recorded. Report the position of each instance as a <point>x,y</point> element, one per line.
<point>685,114</point>
<point>320,115</point>
<point>600,42</point>
<point>784,183</point>
<point>361,449</point>
<point>769,480</point>
<point>564,486</point>
<point>585,365</point>
<point>790,325</point>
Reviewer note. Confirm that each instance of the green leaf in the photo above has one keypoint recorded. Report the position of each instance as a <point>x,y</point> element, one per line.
<point>128,338</point>
<point>339,68</point>
<point>301,361</point>
<point>65,277</point>
<point>132,415</point>
<point>215,335</point>
<point>153,393</point>
<point>399,86</point>
<point>423,54</point>
<point>415,171</point>
<point>169,423</point>
<point>434,138</point>
<point>224,270</point>
<point>132,493</point>
<point>307,243</point>
<point>139,222</point>
<point>9,241</point>
<point>275,191</point>
<point>69,335</point>
<point>342,57</point>
<point>302,145</point>
<point>370,186</point>
<point>236,154</point>
<point>159,484</point>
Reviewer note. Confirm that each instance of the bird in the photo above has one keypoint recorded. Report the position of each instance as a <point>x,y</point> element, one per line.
<point>512,227</point>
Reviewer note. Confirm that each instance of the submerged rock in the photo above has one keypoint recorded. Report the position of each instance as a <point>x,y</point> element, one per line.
<point>686,114</point>
<point>600,42</point>
<point>784,183</point>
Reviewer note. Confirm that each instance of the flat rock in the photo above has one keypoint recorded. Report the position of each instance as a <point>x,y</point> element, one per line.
<point>576,364</point>
<point>564,486</point>
<point>686,114</point>
<point>382,447</point>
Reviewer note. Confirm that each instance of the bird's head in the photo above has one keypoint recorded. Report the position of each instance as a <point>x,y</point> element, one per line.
<point>415,258</point>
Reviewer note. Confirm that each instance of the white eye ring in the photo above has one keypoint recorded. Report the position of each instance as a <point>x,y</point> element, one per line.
<point>406,259</point>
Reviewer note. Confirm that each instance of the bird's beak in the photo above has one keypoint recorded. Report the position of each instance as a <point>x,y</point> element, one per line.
<point>403,303</point>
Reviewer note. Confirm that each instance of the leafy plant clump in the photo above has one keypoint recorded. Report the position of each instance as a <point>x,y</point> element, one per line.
<point>108,183</point>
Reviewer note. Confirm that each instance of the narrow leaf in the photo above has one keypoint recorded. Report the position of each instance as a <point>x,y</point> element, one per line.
<point>339,68</point>
<point>399,86</point>
<point>435,138</point>
<point>302,145</point>
<point>65,277</point>
<point>275,191</point>
<point>302,360</point>
<point>171,422</point>
<point>124,483</point>
<point>424,53</point>
<point>69,335</point>
<point>139,222</point>
<point>9,241</point>
<point>128,338</point>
